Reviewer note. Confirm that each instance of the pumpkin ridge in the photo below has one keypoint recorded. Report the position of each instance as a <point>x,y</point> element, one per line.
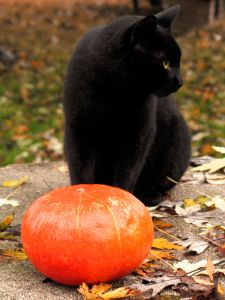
<point>114,221</point>
<point>78,217</point>
<point>116,227</point>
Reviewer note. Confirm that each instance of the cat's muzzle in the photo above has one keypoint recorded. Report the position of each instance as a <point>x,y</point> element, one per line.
<point>169,88</point>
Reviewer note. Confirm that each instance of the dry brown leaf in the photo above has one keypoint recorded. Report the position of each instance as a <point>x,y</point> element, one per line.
<point>161,243</point>
<point>155,255</point>
<point>16,254</point>
<point>194,244</point>
<point>201,279</point>
<point>161,224</point>
<point>15,183</point>
<point>210,268</point>
<point>100,291</point>
<point>221,251</point>
<point>95,291</point>
<point>220,289</point>
<point>157,284</point>
<point>36,65</point>
<point>6,222</point>
<point>121,292</point>
<point>147,268</point>
<point>219,283</point>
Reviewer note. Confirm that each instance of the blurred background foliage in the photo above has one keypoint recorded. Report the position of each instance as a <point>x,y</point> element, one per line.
<point>36,41</point>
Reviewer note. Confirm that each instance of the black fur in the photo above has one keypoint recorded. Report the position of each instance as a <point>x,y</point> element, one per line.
<point>121,127</point>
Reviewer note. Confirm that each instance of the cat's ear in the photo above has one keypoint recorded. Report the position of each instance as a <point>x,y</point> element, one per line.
<point>167,17</point>
<point>143,29</point>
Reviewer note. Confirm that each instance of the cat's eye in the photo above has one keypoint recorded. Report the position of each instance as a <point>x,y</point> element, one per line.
<point>166,64</point>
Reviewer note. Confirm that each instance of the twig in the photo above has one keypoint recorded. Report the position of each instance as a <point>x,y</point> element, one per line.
<point>48,185</point>
<point>164,232</point>
<point>165,262</point>
<point>211,241</point>
<point>201,193</point>
<point>16,190</point>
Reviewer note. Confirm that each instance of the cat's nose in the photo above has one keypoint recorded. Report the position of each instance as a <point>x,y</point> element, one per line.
<point>178,81</point>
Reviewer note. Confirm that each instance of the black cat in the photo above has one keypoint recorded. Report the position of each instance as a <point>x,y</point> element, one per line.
<point>121,129</point>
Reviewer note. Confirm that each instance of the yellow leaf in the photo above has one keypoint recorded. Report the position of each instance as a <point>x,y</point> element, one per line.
<point>8,236</point>
<point>15,183</point>
<point>147,268</point>
<point>6,222</point>
<point>95,291</point>
<point>161,243</point>
<point>155,255</point>
<point>100,292</point>
<point>17,254</point>
<point>189,202</point>
<point>220,288</point>
<point>161,224</point>
<point>199,200</point>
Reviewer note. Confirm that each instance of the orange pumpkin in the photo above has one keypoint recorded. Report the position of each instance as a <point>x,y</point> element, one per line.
<point>86,233</point>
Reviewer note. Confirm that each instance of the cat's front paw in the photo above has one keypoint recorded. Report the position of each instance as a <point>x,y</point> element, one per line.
<point>151,200</point>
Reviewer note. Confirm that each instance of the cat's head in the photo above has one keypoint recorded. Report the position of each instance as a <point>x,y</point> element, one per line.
<point>156,53</point>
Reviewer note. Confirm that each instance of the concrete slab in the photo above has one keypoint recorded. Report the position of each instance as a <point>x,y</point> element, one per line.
<point>18,279</point>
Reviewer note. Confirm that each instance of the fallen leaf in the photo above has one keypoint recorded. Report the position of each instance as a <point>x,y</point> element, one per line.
<point>188,267</point>
<point>201,279</point>
<point>213,166</point>
<point>147,268</point>
<point>194,244</point>
<point>161,243</point>
<point>100,291</point>
<point>161,224</point>
<point>36,65</point>
<point>5,201</point>
<point>210,268</point>
<point>6,222</point>
<point>167,203</point>
<point>121,292</point>
<point>63,169</point>
<point>215,178</point>
<point>221,251</point>
<point>219,202</point>
<point>157,284</point>
<point>219,149</point>
<point>210,218</point>
<point>94,292</point>
<point>185,212</point>
<point>198,161</point>
<point>7,236</point>
<point>219,283</point>
<point>15,183</point>
<point>199,200</point>
<point>156,255</point>
<point>16,254</point>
